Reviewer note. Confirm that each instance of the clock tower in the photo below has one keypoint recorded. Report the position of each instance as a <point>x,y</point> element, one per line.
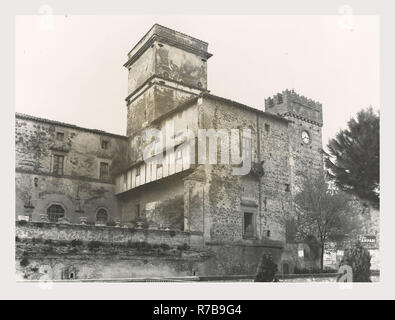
<point>305,134</point>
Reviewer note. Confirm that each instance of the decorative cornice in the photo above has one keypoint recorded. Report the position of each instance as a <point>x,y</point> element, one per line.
<point>67,125</point>
<point>167,29</point>
<point>80,178</point>
<point>152,81</point>
<point>243,106</point>
<point>247,243</point>
<point>169,41</point>
<point>296,116</point>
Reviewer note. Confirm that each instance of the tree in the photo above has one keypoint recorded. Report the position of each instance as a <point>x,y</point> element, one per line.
<point>322,213</point>
<point>353,161</point>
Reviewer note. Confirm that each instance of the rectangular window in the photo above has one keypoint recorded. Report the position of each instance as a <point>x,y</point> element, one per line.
<point>58,162</point>
<point>104,144</point>
<point>104,170</point>
<point>246,147</point>
<point>178,155</point>
<point>159,171</point>
<point>125,180</point>
<point>137,171</point>
<point>138,210</point>
<point>287,187</point>
<point>248,225</point>
<point>59,136</point>
<point>267,127</point>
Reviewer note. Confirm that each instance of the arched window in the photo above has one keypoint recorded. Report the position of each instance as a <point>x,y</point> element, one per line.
<point>101,216</point>
<point>55,212</point>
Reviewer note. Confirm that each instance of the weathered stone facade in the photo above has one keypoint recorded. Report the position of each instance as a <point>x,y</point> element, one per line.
<point>305,118</point>
<point>235,217</point>
<point>78,189</point>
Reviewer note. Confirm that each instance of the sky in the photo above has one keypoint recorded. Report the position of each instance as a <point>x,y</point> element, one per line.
<point>69,68</point>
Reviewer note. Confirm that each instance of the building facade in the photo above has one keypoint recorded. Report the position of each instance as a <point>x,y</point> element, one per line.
<point>173,169</point>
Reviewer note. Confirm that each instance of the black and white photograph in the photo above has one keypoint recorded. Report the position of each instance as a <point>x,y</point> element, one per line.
<point>198,149</point>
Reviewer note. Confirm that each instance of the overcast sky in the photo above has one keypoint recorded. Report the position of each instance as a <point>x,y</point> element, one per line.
<point>69,68</point>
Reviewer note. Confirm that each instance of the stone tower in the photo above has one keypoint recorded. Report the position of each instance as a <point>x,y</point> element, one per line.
<point>305,136</point>
<point>166,67</point>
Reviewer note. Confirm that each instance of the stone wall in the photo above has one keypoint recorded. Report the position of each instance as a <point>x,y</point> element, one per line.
<point>160,203</point>
<point>113,252</point>
<point>79,189</point>
<point>165,68</point>
<point>69,232</point>
<point>91,252</point>
<point>74,195</point>
<point>265,195</point>
<point>169,54</point>
<point>238,258</point>
<point>36,142</point>
<point>291,258</point>
<point>304,114</point>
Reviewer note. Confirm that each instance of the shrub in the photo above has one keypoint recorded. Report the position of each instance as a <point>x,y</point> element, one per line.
<point>93,245</point>
<point>183,247</point>
<point>24,262</point>
<point>266,270</point>
<point>48,241</point>
<point>164,246</point>
<point>111,223</point>
<point>49,249</point>
<point>358,258</point>
<point>22,222</point>
<point>142,245</point>
<point>76,242</point>
<point>37,240</point>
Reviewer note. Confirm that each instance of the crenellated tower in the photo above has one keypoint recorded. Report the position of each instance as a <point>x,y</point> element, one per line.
<point>305,134</point>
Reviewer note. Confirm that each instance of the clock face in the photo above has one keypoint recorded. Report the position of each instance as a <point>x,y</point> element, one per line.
<point>305,137</point>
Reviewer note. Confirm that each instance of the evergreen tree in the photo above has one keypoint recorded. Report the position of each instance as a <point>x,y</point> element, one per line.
<point>359,259</point>
<point>353,161</point>
<point>266,271</point>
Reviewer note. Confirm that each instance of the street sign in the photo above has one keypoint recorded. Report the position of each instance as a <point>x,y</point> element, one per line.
<point>368,240</point>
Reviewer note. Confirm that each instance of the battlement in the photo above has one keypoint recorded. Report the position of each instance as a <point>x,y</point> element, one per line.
<point>291,96</point>
<point>289,103</point>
